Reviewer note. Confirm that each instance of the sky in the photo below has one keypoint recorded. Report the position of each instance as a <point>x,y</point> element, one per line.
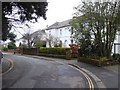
<point>58,10</point>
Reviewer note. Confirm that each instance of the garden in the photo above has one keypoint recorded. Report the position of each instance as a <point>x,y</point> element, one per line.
<point>95,31</point>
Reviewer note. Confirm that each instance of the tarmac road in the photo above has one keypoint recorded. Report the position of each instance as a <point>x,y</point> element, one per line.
<point>39,73</point>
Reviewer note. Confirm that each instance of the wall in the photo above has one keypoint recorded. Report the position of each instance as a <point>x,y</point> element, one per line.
<point>62,34</point>
<point>117,40</point>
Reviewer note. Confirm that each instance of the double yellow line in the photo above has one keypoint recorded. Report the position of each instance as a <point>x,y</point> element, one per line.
<point>91,86</point>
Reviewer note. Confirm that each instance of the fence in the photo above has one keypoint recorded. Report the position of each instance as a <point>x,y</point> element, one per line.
<point>30,51</point>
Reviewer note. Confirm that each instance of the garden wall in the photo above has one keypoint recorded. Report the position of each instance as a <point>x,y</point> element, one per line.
<point>29,51</point>
<point>97,62</point>
<point>49,52</point>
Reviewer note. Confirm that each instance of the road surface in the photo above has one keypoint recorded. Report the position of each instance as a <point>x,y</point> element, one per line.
<point>39,73</point>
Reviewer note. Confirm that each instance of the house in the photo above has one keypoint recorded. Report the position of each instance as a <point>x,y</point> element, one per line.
<point>37,36</point>
<point>116,45</point>
<point>60,31</point>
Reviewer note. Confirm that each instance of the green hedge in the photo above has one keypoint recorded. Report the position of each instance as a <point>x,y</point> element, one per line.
<point>55,51</point>
<point>5,49</point>
<point>52,55</point>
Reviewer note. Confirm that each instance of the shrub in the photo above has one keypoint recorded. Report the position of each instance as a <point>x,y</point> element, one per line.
<point>56,50</point>
<point>116,57</point>
<point>5,49</point>
<point>103,58</point>
<point>11,45</point>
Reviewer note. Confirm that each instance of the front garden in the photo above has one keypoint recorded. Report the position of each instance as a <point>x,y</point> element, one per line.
<point>95,27</point>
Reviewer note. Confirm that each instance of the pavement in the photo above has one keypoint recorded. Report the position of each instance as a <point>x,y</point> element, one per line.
<point>108,75</point>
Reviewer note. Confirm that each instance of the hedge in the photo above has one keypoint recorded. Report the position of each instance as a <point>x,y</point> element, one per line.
<point>52,55</point>
<point>97,62</point>
<point>55,51</point>
<point>116,57</point>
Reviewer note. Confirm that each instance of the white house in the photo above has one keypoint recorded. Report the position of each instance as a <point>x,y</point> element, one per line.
<point>39,35</point>
<point>61,30</point>
<point>116,46</point>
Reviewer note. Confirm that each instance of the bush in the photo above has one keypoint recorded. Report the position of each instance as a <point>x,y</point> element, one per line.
<point>116,57</point>
<point>53,56</point>
<point>56,51</point>
<point>12,45</point>
<point>103,58</point>
<point>5,49</point>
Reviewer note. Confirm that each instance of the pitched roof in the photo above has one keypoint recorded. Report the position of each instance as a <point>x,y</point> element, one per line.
<point>39,32</point>
<point>59,25</point>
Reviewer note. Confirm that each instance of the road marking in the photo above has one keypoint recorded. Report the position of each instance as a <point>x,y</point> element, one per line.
<point>86,76</point>
<point>11,67</point>
<point>99,83</point>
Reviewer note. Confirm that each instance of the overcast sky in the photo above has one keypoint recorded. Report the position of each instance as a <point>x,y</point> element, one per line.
<point>58,10</point>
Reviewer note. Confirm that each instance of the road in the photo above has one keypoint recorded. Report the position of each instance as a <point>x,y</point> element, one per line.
<point>39,73</point>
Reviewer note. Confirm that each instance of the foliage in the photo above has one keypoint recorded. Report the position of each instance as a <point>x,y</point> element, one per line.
<point>57,50</point>
<point>12,36</point>
<point>11,45</point>
<point>96,27</point>
<point>39,43</point>
<point>25,11</point>
<point>103,58</point>
<point>5,49</point>
<point>53,55</point>
<point>22,45</point>
<point>53,41</point>
<point>6,34</point>
<point>57,45</point>
<point>28,38</point>
<point>116,57</point>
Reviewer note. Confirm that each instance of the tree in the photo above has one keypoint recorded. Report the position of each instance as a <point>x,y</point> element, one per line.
<point>29,39</point>
<point>25,11</point>
<point>39,43</point>
<point>22,45</point>
<point>100,20</point>
<point>11,45</point>
<point>52,40</point>
<point>11,36</point>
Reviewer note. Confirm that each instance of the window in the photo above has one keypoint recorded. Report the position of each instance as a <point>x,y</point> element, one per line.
<point>71,30</point>
<point>50,32</point>
<point>60,31</point>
